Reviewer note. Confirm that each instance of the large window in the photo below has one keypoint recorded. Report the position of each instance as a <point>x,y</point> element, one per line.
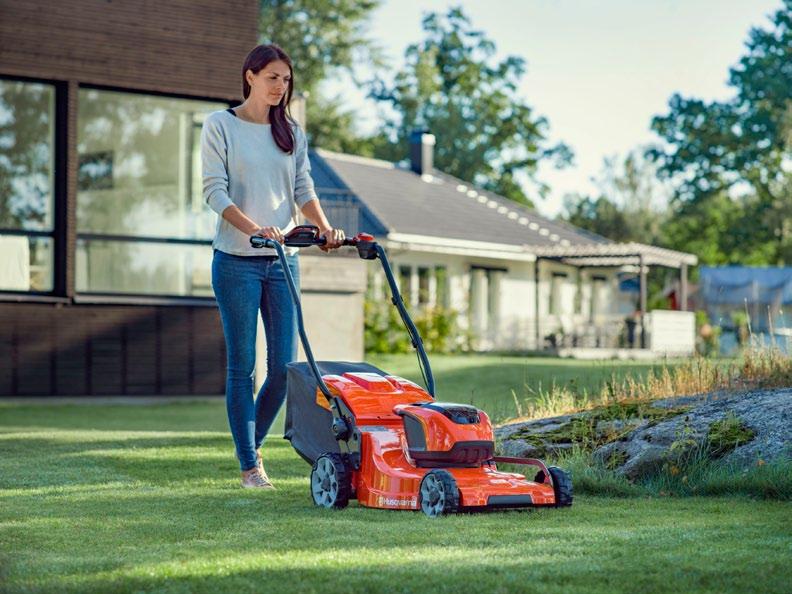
<point>405,284</point>
<point>557,282</point>
<point>142,225</point>
<point>27,137</point>
<point>430,288</point>
<point>424,286</point>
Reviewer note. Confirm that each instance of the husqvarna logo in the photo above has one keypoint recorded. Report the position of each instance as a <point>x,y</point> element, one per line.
<point>393,502</point>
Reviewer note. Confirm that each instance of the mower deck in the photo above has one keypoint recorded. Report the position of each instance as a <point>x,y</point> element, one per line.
<point>388,480</point>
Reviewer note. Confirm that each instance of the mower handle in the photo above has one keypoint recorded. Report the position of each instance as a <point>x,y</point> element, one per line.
<point>305,236</point>
<point>368,249</point>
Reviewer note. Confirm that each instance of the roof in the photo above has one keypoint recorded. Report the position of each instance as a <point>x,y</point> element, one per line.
<point>380,197</point>
<point>616,254</point>
<point>437,205</point>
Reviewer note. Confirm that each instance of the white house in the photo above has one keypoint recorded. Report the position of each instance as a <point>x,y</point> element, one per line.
<point>519,280</point>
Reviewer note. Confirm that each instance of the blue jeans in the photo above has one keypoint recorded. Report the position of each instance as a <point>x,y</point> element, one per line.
<point>243,285</point>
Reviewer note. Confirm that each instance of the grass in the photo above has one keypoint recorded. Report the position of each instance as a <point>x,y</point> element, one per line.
<point>507,386</point>
<point>145,498</point>
<point>697,475</point>
<point>511,387</point>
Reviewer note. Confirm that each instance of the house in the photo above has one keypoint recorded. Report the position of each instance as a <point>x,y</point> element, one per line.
<point>519,280</point>
<point>105,242</point>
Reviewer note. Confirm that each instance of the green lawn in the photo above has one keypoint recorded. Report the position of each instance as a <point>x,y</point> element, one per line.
<point>145,498</point>
<point>487,381</point>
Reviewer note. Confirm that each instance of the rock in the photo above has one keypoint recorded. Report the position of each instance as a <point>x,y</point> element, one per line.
<point>618,426</point>
<point>518,448</point>
<point>665,431</point>
<point>506,431</point>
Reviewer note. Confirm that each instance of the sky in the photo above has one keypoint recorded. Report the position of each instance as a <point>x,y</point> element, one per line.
<point>598,70</point>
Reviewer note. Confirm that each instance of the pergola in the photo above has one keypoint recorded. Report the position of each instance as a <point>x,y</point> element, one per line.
<point>619,254</point>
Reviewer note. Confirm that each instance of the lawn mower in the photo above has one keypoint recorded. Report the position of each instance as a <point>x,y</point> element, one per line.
<point>386,441</point>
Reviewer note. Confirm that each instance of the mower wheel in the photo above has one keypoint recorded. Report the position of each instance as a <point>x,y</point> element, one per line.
<point>562,486</point>
<point>438,494</point>
<point>331,481</point>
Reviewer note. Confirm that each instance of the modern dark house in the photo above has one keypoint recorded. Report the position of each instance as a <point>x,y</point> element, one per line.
<point>104,280</point>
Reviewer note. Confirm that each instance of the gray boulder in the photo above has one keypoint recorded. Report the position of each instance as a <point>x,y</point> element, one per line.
<point>741,428</point>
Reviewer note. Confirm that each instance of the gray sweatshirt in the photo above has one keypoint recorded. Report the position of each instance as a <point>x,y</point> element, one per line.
<point>242,165</point>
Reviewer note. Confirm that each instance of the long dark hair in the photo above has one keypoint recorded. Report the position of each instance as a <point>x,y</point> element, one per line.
<point>280,118</point>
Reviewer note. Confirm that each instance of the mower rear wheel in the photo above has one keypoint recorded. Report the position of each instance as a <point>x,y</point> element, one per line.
<point>331,481</point>
<point>562,486</point>
<point>438,494</point>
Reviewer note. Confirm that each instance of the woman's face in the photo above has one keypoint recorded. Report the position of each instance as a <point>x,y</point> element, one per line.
<point>271,82</point>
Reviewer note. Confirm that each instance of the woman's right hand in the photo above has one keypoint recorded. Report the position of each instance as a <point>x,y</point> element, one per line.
<point>271,233</point>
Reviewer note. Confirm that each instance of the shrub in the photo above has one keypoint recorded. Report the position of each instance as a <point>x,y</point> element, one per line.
<point>384,331</point>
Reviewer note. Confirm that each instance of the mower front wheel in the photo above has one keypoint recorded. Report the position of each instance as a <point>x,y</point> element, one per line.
<point>331,482</point>
<point>438,494</point>
<point>562,486</point>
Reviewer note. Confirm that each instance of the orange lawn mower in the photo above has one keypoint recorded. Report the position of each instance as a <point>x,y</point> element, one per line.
<point>385,441</point>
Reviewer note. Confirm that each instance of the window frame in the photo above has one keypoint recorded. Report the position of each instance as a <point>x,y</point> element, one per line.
<point>554,303</point>
<point>58,179</point>
<point>137,298</point>
<point>64,230</point>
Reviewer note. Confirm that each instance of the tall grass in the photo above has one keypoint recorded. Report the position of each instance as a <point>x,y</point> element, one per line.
<point>697,475</point>
<point>758,368</point>
<point>698,472</point>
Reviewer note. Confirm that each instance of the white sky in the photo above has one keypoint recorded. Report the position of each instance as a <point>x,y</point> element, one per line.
<point>597,70</point>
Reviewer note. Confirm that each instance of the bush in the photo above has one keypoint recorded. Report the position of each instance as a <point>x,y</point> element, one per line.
<point>384,331</point>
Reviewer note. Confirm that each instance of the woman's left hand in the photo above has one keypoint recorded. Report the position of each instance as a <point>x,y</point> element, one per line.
<point>335,239</point>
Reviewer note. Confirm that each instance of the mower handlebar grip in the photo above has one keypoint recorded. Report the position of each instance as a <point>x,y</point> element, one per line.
<point>305,236</point>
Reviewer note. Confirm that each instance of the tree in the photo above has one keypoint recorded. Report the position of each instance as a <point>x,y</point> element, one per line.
<point>453,86</point>
<point>599,215</point>
<point>322,37</point>
<point>738,150</point>
<point>631,202</point>
<point>710,228</point>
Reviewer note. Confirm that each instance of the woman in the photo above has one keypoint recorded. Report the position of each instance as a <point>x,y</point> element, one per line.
<point>256,176</point>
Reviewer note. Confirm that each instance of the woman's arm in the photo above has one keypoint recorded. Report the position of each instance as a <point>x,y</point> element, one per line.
<point>314,213</point>
<point>305,195</point>
<point>234,215</point>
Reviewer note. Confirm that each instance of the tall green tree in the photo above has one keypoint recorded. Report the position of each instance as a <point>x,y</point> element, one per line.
<point>453,86</point>
<point>323,38</point>
<point>599,215</point>
<point>630,205</point>
<point>738,150</point>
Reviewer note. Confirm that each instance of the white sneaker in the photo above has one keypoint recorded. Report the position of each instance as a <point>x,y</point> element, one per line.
<point>255,479</point>
<point>259,464</point>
